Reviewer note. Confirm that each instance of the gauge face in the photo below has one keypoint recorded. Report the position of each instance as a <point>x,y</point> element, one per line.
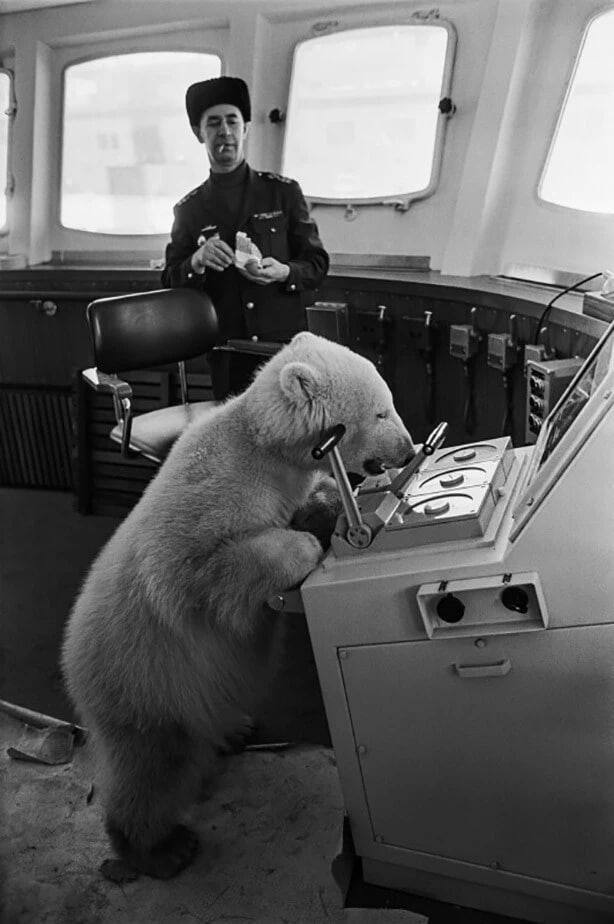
<point>455,478</point>
<point>470,454</point>
<point>445,505</point>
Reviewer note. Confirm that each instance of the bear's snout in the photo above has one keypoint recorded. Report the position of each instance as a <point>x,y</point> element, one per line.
<point>410,455</point>
<point>394,458</point>
<point>403,453</point>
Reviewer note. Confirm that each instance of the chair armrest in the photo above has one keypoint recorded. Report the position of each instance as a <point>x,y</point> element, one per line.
<point>101,381</point>
<point>122,404</point>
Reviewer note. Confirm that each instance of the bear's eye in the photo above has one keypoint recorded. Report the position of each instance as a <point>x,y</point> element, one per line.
<point>383,415</point>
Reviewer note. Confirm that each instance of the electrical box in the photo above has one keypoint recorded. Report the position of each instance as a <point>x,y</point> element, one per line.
<point>328,319</point>
<point>533,352</point>
<point>464,342</point>
<point>502,352</point>
<point>546,382</point>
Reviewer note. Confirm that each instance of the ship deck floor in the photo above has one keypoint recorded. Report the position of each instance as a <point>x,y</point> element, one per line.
<point>269,829</point>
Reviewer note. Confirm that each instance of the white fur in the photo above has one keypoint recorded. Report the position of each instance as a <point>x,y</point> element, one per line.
<point>169,639</point>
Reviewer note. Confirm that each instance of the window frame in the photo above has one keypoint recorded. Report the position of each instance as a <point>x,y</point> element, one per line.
<point>73,242</point>
<point>400,202</point>
<point>9,180</point>
<point>568,87</point>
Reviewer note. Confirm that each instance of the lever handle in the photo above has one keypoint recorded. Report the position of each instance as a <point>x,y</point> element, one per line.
<point>330,439</point>
<point>358,533</point>
<point>433,441</point>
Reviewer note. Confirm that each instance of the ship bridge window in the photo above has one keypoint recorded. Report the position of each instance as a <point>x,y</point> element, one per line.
<point>578,172</point>
<point>363,122</point>
<point>6,114</point>
<point>126,157</point>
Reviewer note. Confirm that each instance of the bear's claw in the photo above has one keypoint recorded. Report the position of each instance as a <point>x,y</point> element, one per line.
<point>164,860</point>
<point>237,739</point>
<point>118,871</point>
<point>171,855</point>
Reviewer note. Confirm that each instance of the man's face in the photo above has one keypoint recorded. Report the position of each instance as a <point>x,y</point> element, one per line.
<point>223,132</point>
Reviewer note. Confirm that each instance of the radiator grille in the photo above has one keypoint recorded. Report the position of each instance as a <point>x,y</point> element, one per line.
<point>35,438</point>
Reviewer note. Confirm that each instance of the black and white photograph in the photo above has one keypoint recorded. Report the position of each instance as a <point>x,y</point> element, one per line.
<point>306,462</point>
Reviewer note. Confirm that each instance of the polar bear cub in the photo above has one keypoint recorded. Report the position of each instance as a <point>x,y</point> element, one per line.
<point>169,643</point>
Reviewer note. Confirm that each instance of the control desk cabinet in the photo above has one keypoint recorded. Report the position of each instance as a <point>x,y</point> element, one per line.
<point>466,659</point>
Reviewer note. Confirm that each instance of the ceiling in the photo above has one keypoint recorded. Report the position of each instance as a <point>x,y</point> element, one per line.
<point>19,6</point>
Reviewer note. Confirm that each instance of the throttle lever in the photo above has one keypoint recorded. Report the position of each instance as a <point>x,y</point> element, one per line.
<point>359,533</point>
<point>433,441</point>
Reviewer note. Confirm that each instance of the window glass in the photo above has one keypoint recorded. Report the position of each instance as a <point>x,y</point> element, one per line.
<point>579,173</point>
<point>5,106</point>
<point>362,113</point>
<point>128,153</point>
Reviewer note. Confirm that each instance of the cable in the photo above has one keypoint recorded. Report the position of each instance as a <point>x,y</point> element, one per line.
<point>507,425</point>
<point>576,285</point>
<point>469,411</point>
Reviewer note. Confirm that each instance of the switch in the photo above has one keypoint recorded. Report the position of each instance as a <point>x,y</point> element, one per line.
<point>515,598</point>
<point>450,609</point>
<point>537,384</point>
<point>536,404</point>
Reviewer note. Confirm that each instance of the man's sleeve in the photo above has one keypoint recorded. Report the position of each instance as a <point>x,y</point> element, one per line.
<point>308,259</point>
<point>178,258</point>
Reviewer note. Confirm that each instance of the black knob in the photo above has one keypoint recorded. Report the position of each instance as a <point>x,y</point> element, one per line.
<point>515,598</point>
<point>450,608</point>
<point>446,106</point>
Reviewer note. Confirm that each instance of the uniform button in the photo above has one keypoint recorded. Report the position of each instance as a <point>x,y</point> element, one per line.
<point>249,305</point>
<point>293,288</point>
<point>190,275</point>
<point>273,230</point>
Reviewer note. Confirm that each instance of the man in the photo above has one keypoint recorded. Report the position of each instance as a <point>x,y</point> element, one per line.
<point>264,299</point>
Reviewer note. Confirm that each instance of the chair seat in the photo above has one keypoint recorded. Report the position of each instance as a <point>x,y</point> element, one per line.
<point>154,433</point>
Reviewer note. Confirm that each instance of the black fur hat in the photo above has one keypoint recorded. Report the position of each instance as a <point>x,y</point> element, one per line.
<point>206,93</point>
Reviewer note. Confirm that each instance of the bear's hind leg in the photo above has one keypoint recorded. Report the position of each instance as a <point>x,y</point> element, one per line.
<point>154,775</point>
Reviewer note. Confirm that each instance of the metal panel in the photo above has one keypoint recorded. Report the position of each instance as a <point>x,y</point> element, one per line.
<point>36,445</point>
<point>510,771</point>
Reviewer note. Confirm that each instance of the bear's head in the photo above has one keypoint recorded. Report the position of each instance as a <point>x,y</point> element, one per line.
<point>314,383</point>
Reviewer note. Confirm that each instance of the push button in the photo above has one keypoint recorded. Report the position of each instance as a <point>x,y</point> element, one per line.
<point>452,480</point>
<point>435,508</point>
<point>465,455</point>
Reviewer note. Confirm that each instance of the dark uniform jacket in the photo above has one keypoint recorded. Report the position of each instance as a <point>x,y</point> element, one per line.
<point>275,216</point>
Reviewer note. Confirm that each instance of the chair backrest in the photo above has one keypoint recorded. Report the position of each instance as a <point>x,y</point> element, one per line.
<point>147,329</point>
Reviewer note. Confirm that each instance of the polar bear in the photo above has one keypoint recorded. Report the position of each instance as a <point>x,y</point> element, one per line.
<point>169,643</point>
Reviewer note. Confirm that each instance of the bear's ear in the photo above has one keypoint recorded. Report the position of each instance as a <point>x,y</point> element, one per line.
<point>300,383</point>
<point>303,336</point>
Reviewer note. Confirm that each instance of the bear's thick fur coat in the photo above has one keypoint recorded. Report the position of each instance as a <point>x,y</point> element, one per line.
<point>169,643</point>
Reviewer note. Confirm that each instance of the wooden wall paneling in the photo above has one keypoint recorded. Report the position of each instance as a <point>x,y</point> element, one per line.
<point>37,349</point>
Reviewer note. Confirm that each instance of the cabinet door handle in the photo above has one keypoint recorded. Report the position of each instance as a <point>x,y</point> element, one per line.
<point>498,669</point>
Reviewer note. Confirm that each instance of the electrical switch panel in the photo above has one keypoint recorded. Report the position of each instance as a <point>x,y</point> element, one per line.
<point>546,382</point>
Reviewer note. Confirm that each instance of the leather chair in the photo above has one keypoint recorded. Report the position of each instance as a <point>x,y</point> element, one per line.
<point>140,331</point>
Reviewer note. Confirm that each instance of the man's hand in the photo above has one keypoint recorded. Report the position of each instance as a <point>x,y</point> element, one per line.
<point>214,254</point>
<point>270,270</point>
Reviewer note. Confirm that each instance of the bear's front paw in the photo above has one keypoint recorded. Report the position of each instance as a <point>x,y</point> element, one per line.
<point>308,552</point>
<point>319,515</point>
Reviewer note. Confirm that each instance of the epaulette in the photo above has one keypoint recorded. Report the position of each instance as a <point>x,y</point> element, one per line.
<point>189,195</point>
<point>275,176</point>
